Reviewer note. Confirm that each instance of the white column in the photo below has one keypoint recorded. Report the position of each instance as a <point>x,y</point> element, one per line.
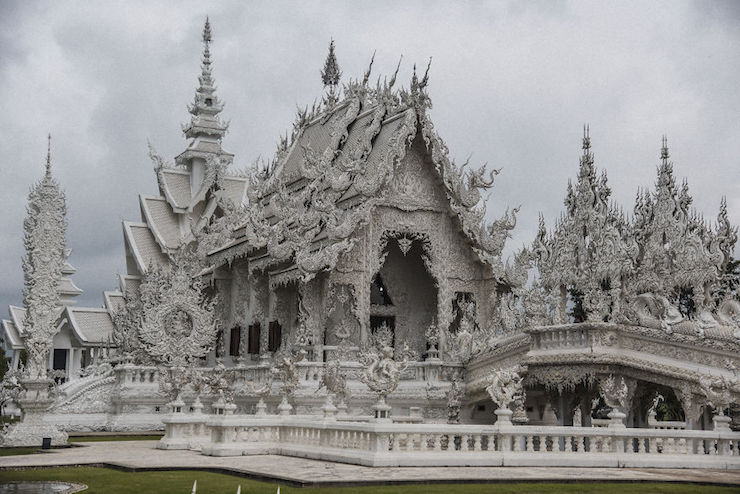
<point>16,359</point>
<point>70,363</point>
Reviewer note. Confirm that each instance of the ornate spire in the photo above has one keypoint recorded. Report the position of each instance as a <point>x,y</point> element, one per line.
<point>44,230</point>
<point>331,74</point>
<point>205,129</point>
<point>206,105</point>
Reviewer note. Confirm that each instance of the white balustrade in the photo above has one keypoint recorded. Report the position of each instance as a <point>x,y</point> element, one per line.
<point>414,444</point>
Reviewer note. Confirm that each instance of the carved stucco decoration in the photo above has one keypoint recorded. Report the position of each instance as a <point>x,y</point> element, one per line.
<point>179,322</point>
<point>633,271</point>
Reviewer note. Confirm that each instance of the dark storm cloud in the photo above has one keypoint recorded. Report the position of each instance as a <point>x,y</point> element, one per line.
<point>512,83</point>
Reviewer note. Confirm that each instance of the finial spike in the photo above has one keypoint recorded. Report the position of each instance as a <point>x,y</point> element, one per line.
<point>664,155</point>
<point>586,137</point>
<point>425,79</point>
<point>366,77</point>
<point>395,73</point>
<point>48,155</point>
<point>207,31</point>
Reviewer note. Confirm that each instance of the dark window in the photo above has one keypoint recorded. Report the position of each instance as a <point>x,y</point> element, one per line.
<point>236,338</point>
<point>209,101</point>
<point>254,339</point>
<point>219,343</point>
<point>378,293</point>
<point>60,359</point>
<point>274,337</point>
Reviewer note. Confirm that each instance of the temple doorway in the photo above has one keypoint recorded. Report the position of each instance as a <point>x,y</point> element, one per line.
<point>403,295</point>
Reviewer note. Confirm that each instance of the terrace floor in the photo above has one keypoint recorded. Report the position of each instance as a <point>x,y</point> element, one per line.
<point>143,455</point>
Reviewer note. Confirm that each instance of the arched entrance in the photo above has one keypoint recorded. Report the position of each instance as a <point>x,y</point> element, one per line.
<point>403,295</point>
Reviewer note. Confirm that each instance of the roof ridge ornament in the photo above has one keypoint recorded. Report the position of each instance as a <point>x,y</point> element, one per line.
<point>331,73</point>
<point>330,76</point>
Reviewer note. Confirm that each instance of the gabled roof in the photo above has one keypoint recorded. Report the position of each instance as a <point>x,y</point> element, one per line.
<point>143,245</point>
<point>162,221</point>
<point>93,326</point>
<point>129,285</point>
<point>12,337</point>
<point>114,301</point>
<point>18,315</point>
<point>235,189</point>
<point>175,186</point>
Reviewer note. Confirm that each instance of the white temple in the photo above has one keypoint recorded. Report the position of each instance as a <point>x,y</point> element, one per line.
<point>347,300</point>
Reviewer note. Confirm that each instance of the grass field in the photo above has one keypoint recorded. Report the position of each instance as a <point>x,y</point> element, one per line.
<point>109,481</point>
<point>18,451</point>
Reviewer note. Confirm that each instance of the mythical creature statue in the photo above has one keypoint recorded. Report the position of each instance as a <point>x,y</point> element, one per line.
<point>334,380</point>
<point>615,392</point>
<point>285,367</point>
<point>505,387</point>
<point>717,391</point>
<point>454,396</point>
<point>382,372</point>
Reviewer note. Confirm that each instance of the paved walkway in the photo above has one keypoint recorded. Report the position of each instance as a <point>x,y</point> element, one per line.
<point>142,455</point>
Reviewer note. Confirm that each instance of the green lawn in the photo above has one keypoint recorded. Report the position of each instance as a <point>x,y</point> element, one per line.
<point>90,439</point>
<point>18,451</point>
<point>104,481</point>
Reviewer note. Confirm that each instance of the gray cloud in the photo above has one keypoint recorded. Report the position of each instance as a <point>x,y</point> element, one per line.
<point>512,83</point>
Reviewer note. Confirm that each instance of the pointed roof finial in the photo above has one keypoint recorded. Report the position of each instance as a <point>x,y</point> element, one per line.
<point>330,74</point>
<point>586,137</point>
<point>425,79</point>
<point>366,77</point>
<point>48,156</point>
<point>395,73</point>
<point>664,150</point>
<point>207,31</point>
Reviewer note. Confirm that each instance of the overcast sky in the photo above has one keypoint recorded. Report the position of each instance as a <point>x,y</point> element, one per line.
<point>512,84</point>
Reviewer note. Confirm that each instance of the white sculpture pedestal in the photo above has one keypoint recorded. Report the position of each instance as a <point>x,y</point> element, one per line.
<point>342,407</point>
<point>284,408</point>
<point>616,419</point>
<point>32,430</point>
<point>330,411</point>
<point>382,410</point>
<point>503,416</point>
<point>721,422</point>
<point>261,408</point>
